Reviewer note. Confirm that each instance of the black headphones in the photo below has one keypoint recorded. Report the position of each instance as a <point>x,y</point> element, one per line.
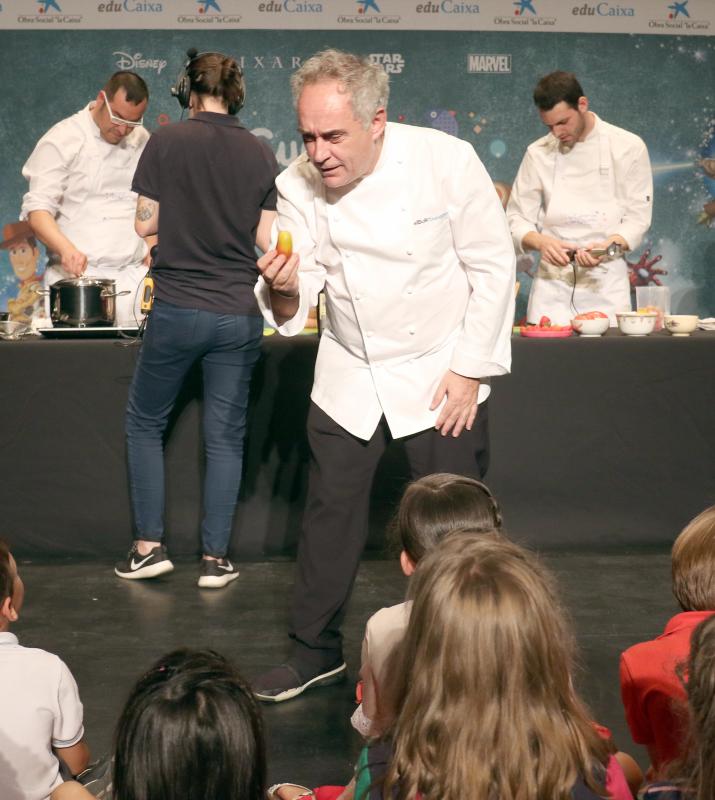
<point>182,90</point>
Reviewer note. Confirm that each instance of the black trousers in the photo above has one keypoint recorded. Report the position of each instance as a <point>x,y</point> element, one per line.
<point>335,525</point>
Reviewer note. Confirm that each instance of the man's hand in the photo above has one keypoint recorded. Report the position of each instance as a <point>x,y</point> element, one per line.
<point>280,273</point>
<point>460,410</point>
<point>555,251</point>
<point>585,258</point>
<point>73,261</point>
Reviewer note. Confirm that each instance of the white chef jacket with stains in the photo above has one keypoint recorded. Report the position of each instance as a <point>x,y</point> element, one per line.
<point>85,183</point>
<point>629,172</point>
<point>418,270</point>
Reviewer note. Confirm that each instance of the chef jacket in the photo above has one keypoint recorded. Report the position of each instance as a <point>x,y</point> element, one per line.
<point>624,159</point>
<point>85,183</point>
<point>418,271</point>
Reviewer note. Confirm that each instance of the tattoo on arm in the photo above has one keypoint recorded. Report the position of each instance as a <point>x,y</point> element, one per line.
<point>145,209</point>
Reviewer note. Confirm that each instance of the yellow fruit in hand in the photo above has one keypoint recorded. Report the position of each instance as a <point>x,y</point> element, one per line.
<point>285,244</point>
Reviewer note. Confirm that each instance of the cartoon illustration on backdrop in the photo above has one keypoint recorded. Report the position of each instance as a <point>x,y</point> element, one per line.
<point>24,255</point>
<point>643,272</point>
<point>443,120</point>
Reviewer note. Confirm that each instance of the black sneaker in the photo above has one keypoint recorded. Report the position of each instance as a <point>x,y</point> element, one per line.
<point>285,682</point>
<point>216,574</point>
<point>136,566</point>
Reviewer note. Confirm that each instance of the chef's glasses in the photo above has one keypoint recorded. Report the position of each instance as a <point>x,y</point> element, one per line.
<point>118,120</point>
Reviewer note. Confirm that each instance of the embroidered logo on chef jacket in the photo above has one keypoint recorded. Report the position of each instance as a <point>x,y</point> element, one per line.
<point>422,221</point>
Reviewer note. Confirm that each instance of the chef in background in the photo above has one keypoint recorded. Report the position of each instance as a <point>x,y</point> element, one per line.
<point>584,186</point>
<point>80,203</point>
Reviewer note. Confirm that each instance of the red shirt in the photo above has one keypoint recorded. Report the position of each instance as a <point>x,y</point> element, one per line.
<point>653,695</point>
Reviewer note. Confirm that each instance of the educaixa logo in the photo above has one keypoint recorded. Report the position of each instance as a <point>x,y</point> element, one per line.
<point>48,12</point>
<point>370,12</point>
<point>523,13</point>
<point>677,16</point>
<point>210,12</point>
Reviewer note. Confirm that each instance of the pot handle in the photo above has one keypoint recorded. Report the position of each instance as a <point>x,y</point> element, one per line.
<point>42,290</point>
<point>105,293</point>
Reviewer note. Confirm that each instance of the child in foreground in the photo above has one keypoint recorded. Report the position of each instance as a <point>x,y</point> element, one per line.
<point>41,726</point>
<point>430,508</point>
<point>653,694</point>
<point>191,728</point>
<point>483,684</point>
<point>695,774</point>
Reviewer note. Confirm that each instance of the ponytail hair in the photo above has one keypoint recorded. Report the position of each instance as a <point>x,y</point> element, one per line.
<point>220,76</point>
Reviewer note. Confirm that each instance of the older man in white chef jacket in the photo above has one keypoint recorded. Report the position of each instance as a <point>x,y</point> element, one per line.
<point>80,202</point>
<point>582,187</point>
<point>403,230</point>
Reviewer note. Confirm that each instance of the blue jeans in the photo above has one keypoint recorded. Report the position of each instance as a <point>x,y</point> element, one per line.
<point>228,346</point>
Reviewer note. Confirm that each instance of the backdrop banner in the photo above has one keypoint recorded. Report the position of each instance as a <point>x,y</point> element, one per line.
<point>475,83</point>
<point>685,18</point>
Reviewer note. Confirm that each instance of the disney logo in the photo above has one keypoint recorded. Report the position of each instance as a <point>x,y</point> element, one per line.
<point>137,61</point>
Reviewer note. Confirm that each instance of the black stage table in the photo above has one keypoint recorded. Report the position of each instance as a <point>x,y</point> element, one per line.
<point>595,442</point>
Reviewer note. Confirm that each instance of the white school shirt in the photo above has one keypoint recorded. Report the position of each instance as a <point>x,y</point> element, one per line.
<point>85,183</point>
<point>418,271</point>
<point>39,709</point>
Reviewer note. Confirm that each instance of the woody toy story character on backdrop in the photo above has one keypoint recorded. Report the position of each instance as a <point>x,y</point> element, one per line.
<point>24,255</point>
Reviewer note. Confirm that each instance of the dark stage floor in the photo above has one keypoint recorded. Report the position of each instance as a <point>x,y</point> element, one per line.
<point>109,630</point>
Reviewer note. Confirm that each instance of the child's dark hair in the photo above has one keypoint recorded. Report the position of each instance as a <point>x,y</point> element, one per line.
<point>438,504</point>
<point>190,728</point>
<point>219,76</point>
<point>7,579</point>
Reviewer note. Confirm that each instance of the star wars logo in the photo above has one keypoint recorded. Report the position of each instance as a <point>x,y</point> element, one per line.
<point>392,63</point>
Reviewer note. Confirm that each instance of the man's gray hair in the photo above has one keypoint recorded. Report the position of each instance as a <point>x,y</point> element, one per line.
<point>366,83</point>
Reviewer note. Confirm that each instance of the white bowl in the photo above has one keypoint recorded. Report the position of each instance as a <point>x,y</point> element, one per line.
<point>681,324</point>
<point>634,324</point>
<point>591,327</point>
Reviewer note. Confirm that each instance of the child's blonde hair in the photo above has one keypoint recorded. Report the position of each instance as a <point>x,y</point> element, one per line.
<point>487,705</point>
<point>693,563</point>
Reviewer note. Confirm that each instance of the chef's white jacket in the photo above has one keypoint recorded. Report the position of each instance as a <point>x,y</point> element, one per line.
<point>626,163</point>
<point>85,183</point>
<point>418,271</point>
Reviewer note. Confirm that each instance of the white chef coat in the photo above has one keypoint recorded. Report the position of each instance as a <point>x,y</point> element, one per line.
<point>418,272</point>
<point>601,187</point>
<point>41,709</point>
<point>85,183</point>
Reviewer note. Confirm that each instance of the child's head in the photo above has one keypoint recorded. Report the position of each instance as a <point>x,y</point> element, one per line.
<point>693,564</point>
<point>190,728</point>
<point>12,590</point>
<point>487,661</point>
<point>437,504</point>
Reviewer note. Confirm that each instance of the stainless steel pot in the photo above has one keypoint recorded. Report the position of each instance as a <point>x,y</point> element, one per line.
<point>83,302</point>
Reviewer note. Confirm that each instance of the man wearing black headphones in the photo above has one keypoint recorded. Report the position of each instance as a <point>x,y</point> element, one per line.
<point>214,183</point>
